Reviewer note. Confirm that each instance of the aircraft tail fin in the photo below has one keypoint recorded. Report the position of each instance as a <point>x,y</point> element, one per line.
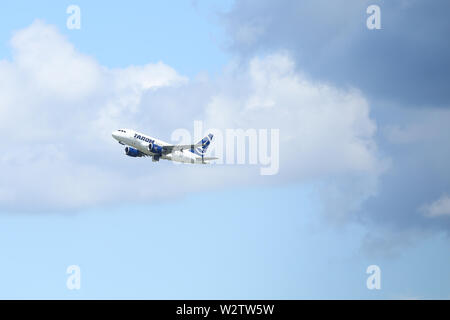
<point>201,146</point>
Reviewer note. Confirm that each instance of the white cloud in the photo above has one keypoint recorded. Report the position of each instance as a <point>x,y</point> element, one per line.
<point>323,130</point>
<point>326,134</point>
<point>59,107</point>
<point>438,208</point>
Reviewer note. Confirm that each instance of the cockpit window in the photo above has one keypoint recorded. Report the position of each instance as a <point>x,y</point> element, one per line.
<point>120,130</point>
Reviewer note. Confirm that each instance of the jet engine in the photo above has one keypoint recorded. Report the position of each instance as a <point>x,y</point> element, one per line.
<point>154,148</point>
<point>132,152</point>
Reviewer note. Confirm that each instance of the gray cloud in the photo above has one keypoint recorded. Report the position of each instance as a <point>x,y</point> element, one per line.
<point>440,207</point>
<point>404,70</point>
<point>407,61</point>
<point>417,143</point>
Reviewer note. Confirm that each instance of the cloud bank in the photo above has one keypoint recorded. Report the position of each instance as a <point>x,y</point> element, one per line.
<point>59,107</point>
<point>407,60</point>
<point>402,69</point>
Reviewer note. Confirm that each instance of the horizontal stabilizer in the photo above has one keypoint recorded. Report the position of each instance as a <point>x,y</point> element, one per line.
<point>204,159</point>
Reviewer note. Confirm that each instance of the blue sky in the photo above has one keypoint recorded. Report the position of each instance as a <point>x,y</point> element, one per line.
<point>363,194</point>
<point>184,35</point>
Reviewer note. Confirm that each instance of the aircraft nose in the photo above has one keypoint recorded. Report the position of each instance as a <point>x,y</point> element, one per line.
<point>114,134</point>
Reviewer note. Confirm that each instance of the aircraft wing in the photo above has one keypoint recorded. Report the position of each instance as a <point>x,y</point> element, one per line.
<point>203,144</point>
<point>178,147</point>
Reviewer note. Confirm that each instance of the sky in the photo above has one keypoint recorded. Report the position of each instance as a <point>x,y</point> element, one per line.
<point>363,176</point>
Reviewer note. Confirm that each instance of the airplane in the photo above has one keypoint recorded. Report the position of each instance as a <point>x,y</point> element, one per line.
<point>141,145</point>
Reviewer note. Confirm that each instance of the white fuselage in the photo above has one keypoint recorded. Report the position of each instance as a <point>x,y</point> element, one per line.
<point>141,142</point>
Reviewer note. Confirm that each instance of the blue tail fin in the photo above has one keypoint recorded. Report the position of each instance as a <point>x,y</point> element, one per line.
<point>202,145</point>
